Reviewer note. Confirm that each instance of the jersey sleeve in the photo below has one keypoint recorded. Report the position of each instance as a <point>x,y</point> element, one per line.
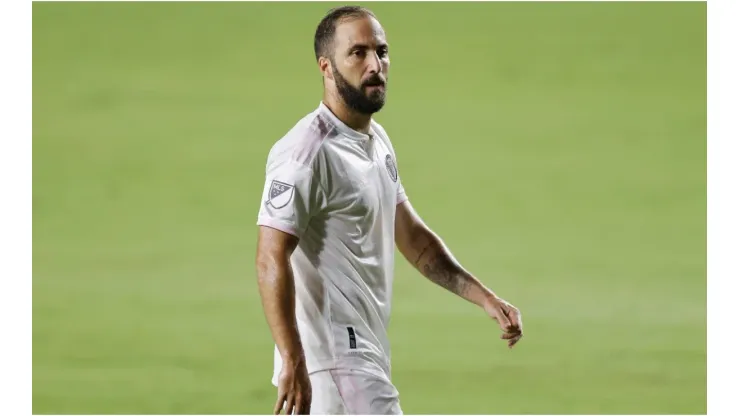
<point>291,196</point>
<point>401,196</point>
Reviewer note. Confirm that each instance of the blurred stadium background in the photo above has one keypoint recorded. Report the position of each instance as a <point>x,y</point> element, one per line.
<point>559,148</point>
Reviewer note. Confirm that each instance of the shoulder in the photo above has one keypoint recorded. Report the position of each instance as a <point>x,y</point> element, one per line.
<point>303,143</point>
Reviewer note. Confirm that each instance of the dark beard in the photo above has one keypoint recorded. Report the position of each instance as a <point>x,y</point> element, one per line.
<point>356,99</point>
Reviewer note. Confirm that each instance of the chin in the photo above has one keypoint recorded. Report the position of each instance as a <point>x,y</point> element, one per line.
<point>377,99</point>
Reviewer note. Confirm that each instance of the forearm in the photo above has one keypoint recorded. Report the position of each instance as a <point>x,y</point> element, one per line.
<point>277,291</point>
<point>436,262</point>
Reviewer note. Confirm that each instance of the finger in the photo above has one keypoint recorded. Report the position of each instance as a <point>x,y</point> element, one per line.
<point>510,335</point>
<point>289,407</point>
<point>279,404</point>
<point>514,340</point>
<point>305,405</point>
<point>301,405</point>
<point>298,405</point>
<point>504,320</point>
<point>516,318</point>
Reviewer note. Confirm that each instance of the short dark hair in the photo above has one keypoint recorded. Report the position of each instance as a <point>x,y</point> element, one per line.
<point>324,36</point>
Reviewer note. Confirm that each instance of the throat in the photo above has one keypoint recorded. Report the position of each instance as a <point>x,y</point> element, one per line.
<point>354,120</point>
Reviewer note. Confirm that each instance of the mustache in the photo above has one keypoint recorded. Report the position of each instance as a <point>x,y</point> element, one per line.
<point>374,81</point>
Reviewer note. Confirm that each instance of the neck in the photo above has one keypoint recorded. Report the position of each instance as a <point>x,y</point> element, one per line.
<point>356,121</point>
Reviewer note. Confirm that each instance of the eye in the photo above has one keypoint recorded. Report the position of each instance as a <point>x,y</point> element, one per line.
<point>360,53</point>
<point>383,52</point>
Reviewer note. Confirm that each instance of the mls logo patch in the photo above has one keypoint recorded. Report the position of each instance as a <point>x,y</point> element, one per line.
<point>391,166</point>
<point>280,194</point>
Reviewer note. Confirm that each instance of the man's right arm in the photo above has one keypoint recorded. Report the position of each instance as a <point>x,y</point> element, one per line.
<point>290,198</point>
<point>277,290</point>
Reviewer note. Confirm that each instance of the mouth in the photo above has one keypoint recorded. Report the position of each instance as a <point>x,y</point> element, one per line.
<point>375,86</point>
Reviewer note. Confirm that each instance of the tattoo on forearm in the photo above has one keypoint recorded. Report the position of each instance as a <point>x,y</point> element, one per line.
<point>422,253</point>
<point>442,270</point>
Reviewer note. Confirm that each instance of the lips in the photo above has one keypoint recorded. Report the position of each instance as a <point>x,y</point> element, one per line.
<point>375,82</point>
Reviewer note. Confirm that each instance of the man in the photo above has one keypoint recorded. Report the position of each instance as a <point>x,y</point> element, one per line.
<point>332,208</point>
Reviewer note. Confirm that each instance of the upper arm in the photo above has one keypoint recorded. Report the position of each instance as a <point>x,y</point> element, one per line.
<point>411,234</point>
<point>274,247</point>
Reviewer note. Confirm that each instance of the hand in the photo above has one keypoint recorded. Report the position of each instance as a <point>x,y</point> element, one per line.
<point>507,316</point>
<point>294,387</point>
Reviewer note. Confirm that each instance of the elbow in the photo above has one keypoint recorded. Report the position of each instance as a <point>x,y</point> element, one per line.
<point>271,267</point>
<point>265,266</point>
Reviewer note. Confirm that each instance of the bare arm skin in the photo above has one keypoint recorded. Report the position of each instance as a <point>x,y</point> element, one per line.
<point>277,290</point>
<point>426,251</point>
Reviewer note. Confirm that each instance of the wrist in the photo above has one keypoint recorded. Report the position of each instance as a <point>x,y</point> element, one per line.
<point>489,297</point>
<point>293,358</point>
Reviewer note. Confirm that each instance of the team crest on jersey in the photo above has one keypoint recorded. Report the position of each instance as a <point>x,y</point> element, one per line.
<point>391,166</point>
<point>280,194</point>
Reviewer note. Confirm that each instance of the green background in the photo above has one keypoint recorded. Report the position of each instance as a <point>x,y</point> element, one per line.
<point>558,148</point>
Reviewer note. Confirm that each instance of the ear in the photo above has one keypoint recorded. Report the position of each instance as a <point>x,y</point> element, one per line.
<point>326,68</point>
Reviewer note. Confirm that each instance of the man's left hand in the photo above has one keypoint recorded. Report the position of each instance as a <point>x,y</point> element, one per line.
<point>508,317</point>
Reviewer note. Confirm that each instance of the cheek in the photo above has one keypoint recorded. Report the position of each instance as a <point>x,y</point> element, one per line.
<point>353,75</point>
<point>351,69</point>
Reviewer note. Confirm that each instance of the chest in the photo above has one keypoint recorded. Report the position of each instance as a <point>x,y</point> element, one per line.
<point>365,179</point>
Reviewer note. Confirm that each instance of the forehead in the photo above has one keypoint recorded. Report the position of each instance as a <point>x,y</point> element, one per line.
<point>359,30</point>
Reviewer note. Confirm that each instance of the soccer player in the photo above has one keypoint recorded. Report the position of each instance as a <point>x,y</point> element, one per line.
<point>333,206</point>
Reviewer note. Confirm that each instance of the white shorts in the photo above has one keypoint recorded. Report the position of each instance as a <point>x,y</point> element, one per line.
<point>352,392</point>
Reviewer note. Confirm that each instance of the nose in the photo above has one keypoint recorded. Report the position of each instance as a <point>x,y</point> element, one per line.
<point>374,65</point>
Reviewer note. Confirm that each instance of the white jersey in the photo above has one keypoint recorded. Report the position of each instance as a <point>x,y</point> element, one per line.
<point>337,190</point>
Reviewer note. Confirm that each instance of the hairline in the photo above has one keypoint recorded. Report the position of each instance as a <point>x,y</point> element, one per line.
<point>356,14</point>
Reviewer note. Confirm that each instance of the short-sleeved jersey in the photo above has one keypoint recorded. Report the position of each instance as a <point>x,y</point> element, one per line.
<point>336,189</point>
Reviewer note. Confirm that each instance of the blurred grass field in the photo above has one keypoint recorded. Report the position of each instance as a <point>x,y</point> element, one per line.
<point>559,148</point>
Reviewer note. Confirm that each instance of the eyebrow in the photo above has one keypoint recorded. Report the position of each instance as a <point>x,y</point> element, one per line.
<point>364,46</point>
